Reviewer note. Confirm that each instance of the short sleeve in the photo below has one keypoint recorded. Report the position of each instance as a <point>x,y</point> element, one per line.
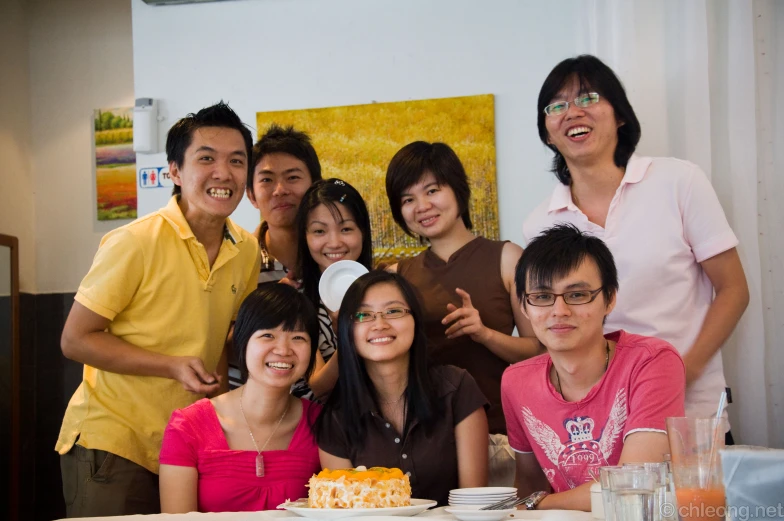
<point>705,226</point>
<point>331,437</point>
<point>179,445</point>
<point>512,412</point>
<point>114,277</point>
<point>467,398</point>
<point>658,390</point>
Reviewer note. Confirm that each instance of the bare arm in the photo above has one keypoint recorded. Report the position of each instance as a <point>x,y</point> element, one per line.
<point>466,320</point>
<point>471,436</point>
<point>178,488</point>
<point>732,296</point>
<point>325,375</point>
<point>639,447</point>
<point>86,340</point>
<point>328,461</point>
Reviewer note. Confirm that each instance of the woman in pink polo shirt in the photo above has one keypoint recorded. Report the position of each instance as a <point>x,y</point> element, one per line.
<point>660,218</point>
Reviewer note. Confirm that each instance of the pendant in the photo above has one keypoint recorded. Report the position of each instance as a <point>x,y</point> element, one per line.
<point>259,465</point>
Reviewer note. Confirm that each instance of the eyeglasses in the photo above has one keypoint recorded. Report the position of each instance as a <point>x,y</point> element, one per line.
<point>388,314</point>
<point>573,298</point>
<point>559,107</point>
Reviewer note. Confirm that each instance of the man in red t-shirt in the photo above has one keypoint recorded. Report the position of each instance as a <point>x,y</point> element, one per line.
<point>592,400</point>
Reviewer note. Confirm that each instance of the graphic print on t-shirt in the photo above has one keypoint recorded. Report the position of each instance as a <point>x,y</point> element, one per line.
<point>582,452</point>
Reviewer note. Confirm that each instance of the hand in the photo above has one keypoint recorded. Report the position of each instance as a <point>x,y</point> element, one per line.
<point>465,320</point>
<point>190,372</point>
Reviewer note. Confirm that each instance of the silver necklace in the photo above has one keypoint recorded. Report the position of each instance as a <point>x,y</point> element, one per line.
<point>259,457</point>
<point>606,364</point>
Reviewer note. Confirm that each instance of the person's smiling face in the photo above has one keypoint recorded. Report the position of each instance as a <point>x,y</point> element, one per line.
<point>279,182</point>
<point>583,134</point>
<point>332,235</point>
<point>382,339</point>
<point>563,327</point>
<point>276,357</point>
<point>212,174</point>
<point>429,209</point>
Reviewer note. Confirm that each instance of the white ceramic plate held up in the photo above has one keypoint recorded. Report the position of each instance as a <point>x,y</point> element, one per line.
<point>335,281</point>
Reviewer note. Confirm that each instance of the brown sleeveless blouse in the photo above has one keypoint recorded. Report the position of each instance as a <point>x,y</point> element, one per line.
<point>475,268</point>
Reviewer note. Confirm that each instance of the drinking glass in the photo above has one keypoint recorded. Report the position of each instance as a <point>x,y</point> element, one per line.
<point>632,494</point>
<point>604,480</point>
<point>661,496</point>
<point>696,467</point>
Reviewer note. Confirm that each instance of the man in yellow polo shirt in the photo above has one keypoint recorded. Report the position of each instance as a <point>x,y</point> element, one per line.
<point>151,318</point>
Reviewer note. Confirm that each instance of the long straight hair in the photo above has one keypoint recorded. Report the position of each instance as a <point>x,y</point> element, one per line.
<point>329,192</point>
<point>355,383</point>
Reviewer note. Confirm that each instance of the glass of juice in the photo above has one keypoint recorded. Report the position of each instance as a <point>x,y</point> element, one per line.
<point>696,467</point>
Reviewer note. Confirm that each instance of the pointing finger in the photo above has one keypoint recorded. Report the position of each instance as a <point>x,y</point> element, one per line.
<point>465,296</point>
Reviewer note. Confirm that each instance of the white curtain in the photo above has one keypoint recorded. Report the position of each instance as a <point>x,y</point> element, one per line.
<point>707,80</point>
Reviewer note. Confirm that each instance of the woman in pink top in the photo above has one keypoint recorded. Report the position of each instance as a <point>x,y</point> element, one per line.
<point>252,448</point>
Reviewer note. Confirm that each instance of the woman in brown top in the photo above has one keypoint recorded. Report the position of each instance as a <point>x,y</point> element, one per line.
<point>466,282</point>
<point>390,409</point>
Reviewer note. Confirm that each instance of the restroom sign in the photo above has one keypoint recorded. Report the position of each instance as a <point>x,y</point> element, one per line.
<point>155,177</point>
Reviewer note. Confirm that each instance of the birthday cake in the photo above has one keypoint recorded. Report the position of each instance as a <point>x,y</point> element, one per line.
<point>376,487</point>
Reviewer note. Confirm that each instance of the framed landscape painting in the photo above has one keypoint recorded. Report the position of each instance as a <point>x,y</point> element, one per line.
<point>115,164</point>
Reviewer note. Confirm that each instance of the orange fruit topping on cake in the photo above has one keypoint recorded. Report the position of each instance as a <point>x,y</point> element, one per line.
<point>376,487</point>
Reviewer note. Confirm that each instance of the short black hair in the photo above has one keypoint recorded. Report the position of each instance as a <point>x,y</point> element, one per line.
<point>219,115</point>
<point>354,382</point>
<point>593,76</point>
<point>286,140</point>
<point>271,306</point>
<point>329,192</point>
<point>558,251</point>
<point>411,162</point>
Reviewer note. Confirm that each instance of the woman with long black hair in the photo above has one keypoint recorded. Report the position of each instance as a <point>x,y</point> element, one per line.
<point>390,408</point>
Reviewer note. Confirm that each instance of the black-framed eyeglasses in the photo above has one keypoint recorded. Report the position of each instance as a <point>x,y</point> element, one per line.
<point>559,107</point>
<point>388,314</point>
<point>573,298</point>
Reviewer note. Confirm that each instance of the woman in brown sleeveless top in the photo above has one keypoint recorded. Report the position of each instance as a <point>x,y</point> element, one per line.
<point>466,282</point>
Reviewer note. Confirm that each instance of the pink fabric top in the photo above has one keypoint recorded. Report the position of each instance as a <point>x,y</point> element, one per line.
<point>643,385</point>
<point>227,478</point>
<point>663,221</point>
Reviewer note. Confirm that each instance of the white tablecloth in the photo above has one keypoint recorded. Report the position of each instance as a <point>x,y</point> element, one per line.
<point>436,514</point>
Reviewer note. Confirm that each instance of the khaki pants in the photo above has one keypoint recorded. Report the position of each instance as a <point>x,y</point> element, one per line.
<point>501,462</point>
<point>99,483</point>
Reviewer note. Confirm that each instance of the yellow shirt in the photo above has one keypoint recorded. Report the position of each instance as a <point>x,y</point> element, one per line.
<point>153,280</point>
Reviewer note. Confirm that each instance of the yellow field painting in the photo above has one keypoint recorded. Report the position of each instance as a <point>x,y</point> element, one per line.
<point>356,143</point>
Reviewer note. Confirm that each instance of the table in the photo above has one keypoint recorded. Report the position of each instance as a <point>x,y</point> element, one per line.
<point>435,514</point>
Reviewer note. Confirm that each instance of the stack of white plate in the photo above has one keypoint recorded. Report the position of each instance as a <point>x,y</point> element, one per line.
<point>480,495</point>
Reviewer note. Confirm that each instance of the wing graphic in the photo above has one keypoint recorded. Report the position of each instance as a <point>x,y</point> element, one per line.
<point>544,436</point>
<point>615,424</point>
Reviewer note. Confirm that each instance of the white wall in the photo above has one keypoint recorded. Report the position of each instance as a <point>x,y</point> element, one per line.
<point>17,215</point>
<point>80,59</point>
